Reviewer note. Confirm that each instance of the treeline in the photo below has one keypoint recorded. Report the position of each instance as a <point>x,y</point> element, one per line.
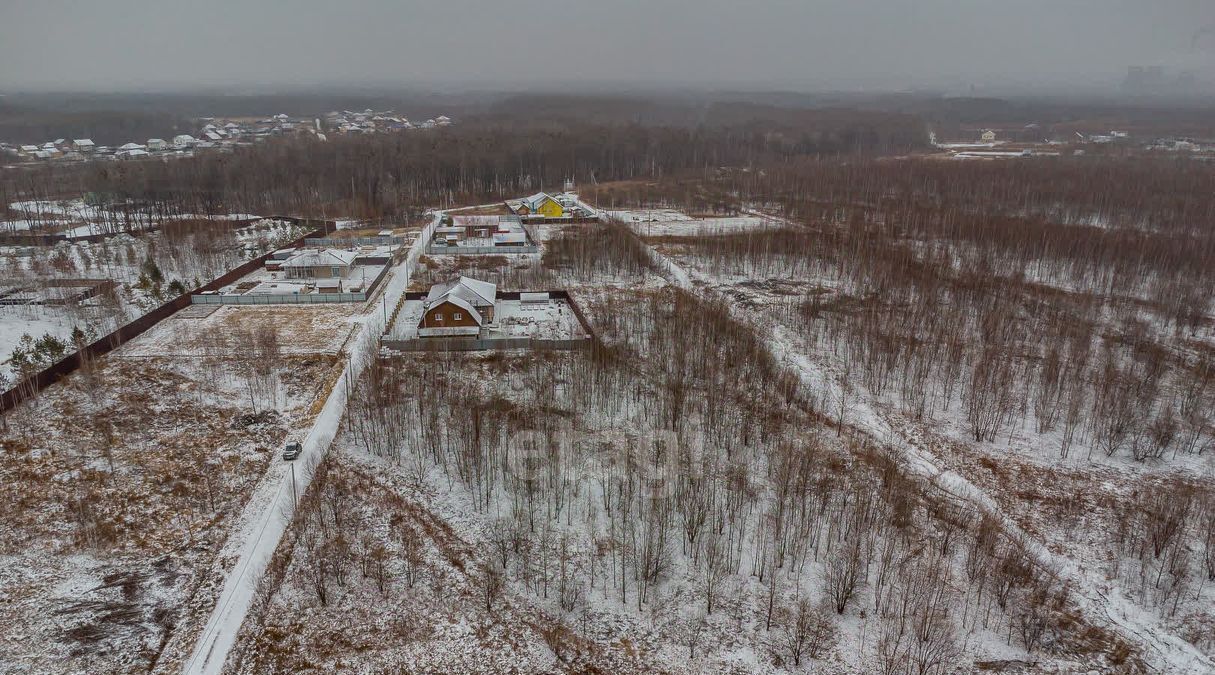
<point>31,125</point>
<point>395,176</point>
<point>1063,296</point>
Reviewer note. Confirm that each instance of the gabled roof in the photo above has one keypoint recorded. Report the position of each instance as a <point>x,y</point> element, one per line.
<point>489,222</point>
<point>324,258</point>
<point>83,141</point>
<point>462,304</point>
<point>510,238</point>
<point>475,292</point>
<point>533,202</point>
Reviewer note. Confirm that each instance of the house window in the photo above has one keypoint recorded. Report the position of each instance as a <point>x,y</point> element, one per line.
<point>457,316</point>
<point>335,271</point>
<point>438,317</point>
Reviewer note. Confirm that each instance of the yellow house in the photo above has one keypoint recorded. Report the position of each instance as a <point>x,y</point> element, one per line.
<point>541,204</point>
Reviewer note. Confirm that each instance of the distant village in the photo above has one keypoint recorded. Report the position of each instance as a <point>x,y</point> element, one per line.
<point>221,135</point>
<point>1029,141</point>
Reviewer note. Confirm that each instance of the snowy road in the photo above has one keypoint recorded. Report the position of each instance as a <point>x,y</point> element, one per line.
<point>1162,650</point>
<point>268,512</point>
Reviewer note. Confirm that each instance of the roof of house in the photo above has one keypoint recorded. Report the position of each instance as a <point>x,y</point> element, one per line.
<point>322,258</point>
<point>130,146</point>
<point>83,141</point>
<point>156,140</point>
<point>533,202</point>
<point>510,238</point>
<point>464,305</point>
<point>488,222</point>
<point>477,293</point>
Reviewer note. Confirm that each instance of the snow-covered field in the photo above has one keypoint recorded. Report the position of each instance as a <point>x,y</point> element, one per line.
<point>691,498</point>
<point>1069,506</point>
<point>191,259</point>
<point>301,329</point>
<point>77,218</point>
<point>675,223</point>
<point>423,548</point>
<point>123,480</point>
<point>127,477</point>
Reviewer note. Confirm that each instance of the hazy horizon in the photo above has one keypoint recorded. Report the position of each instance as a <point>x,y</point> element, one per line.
<point>857,45</point>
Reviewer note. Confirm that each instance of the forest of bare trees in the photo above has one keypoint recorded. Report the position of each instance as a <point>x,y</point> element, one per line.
<point>741,495</point>
<point>396,176</point>
<point>1080,320</point>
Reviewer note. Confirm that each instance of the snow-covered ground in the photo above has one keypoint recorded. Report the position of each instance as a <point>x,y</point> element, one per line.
<point>561,604</point>
<point>265,519</point>
<point>43,213</point>
<point>818,367</point>
<point>676,223</point>
<point>192,260</point>
<point>122,482</point>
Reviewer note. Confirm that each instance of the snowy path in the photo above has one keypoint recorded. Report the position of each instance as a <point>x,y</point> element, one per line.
<point>268,512</point>
<point>1162,650</point>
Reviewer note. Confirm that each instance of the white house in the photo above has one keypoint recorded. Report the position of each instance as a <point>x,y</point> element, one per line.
<point>157,144</point>
<point>326,263</point>
<point>83,145</point>
<point>442,120</point>
<point>182,141</point>
<point>988,136</point>
<point>127,147</point>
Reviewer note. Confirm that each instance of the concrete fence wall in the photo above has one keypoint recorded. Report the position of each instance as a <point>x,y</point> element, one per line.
<point>481,250</point>
<point>340,242</point>
<point>477,344</point>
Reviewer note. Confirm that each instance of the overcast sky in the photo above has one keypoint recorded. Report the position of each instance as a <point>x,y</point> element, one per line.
<point>847,44</point>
